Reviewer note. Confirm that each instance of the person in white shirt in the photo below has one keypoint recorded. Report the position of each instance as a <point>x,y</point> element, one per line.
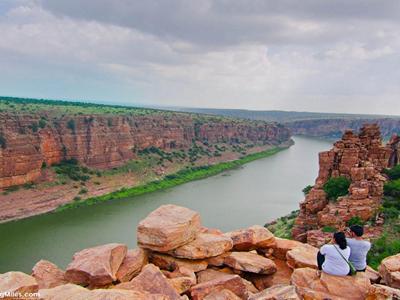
<point>333,258</point>
<point>359,248</point>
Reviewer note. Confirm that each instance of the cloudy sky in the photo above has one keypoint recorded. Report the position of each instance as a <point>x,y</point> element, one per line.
<point>309,55</point>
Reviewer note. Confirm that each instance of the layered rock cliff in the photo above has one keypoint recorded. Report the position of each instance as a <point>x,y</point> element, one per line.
<point>28,142</point>
<point>361,159</point>
<point>336,127</point>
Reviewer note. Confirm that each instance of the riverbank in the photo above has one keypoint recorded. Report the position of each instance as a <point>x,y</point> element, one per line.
<point>171,180</point>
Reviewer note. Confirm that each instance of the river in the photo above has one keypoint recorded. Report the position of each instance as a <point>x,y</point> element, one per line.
<point>256,193</point>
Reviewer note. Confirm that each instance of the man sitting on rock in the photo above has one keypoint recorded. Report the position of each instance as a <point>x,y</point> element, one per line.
<point>359,247</point>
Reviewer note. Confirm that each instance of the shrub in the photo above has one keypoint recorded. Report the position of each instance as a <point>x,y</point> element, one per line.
<point>328,229</point>
<point>3,143</point>
<point>71,125</point>
<point>83,191</point>
<point>336,187</point>
<point>382,247</point>
<point>355,221</point>
<point>393,173</point>
<point>77,198</point>
<point>44,165</point>
<point>34,127</point>
<point>307,189</point>
<point>392,188</point>
<point>42,123</point>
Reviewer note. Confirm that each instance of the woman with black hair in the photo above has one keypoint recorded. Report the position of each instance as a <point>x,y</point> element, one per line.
<point>333,258</point>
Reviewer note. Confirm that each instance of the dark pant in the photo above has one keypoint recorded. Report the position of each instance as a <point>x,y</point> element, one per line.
<point>320,260</point>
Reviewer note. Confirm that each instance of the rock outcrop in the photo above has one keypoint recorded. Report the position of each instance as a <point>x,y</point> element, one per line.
<point>282,270</point>
<point>360,158</point>
<point>107,141</point>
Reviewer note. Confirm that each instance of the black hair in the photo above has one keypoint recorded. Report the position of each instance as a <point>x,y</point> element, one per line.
<point>357,229</point>
<point>340,239</point>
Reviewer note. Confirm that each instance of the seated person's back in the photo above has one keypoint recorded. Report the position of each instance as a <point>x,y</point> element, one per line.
<point>334,263</point>
<point>359,248</point>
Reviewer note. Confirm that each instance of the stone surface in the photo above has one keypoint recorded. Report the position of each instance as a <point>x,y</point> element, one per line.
<point>250,262</point>
<point>211,274</point>
<point>218,261</point>
<point>204,246</point>
<point>312,286</point>
<point>251,238</point>
<point>302,256</point>
<point>96,266</point>
<point>17,282</point>
<point>277,292</point>
<point>373,275</point>
<point>383,292</point>
<point>76,292</point>
<point>168,227</point>
<point>282,246</point>
<point>232,283</point>
<point>132,264</point>
<point>48,275</point>
<point>167,262</point>
<point>152,281</point>
<point>389,269</point>
<point>222,295</point>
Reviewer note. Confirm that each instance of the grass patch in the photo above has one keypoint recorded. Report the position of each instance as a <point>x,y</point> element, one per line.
<point>282,227</point>
<point>307,189</point>
<point>180,177</point>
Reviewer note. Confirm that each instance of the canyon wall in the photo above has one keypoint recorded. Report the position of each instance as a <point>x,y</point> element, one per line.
<point>358,157</point>
<point>28,142</point>
<point>335,127</point>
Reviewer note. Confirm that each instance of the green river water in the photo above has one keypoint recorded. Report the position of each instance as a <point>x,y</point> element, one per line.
<point>258,192</point>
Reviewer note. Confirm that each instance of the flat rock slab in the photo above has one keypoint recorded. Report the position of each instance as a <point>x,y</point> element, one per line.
<point>250,262</point>
<point>170,263</point>
<point>302,257</point>
<point>132,264</point>
<point>282,246</point>
<point>152,281</point>
<point>312,286</point>
<point>251,238</point>
<point>96,266</point>
<point>167,228</point>
<point>390,271</point>
<point>232,283</point>
<point>204,246</point>
<point>381,292</point>
<point>277,292</point>
<point>48,275</point>
<point>17,282</point>
<point>75,292</point>
<point>222,295</point>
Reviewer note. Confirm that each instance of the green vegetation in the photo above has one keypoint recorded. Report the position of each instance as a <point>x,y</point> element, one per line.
<point>336,187</point>
<point>389,243</point>
<point>180,177</point>
<point>329,229</point>
<point>282,227</point>
<point>355,221</point>
<point>42,123</point>
<point>307,189</point>
<point>71,125</point>
<point>71,169</point>
<point>3,143</point>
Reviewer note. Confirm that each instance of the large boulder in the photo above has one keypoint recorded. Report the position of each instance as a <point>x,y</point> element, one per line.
<point>48,275</point>
<point>250,262</point>
<point>251,238</point>
<point>221,295</point>
<point>167,262</point>
<point>168,227</point>
<point>17,282</point>
<point>383,292</point>
<point>151,280</point>
<point>205,245</point>
<point>277,292</point>
<point>75,292</point>
<point>310,285</point>
<point>282,246</point>
<point>390,271</point>
<point>232,283</point>
<point>97,266</point>
<point>132,264</point>
<point>302,256</point>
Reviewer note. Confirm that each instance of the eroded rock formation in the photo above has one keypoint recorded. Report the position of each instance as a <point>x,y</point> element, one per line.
<point>106,141</point>
<point>275,269</point>
<point>360,158</point>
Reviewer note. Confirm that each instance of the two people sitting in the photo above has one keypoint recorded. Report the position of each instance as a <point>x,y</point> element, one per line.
<point>334,258</point>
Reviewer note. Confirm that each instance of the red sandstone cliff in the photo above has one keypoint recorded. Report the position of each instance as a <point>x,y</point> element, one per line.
<point>106,141</point>
<point>361,159</point>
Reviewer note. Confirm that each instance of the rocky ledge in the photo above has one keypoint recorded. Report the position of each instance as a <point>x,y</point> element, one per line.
<point>178,259</point>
